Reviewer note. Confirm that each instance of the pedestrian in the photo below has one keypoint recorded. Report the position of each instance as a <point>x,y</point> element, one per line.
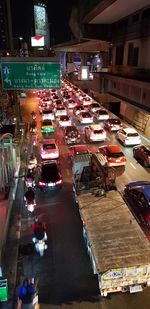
<point>27,294</point>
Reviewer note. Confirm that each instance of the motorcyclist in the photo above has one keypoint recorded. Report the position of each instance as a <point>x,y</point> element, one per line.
<point>32,162</point>
<point>33,114</point>
<point>29,195</point>
<point>39,231</point>
<point>30,182</point>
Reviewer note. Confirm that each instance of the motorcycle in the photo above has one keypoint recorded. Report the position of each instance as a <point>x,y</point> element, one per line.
<point>40,244</point>
<point>30,204</point>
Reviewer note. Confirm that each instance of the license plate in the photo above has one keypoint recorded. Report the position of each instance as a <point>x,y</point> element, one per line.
<point>136,288</point>
<point>118,160</point>
<point>51,184</point>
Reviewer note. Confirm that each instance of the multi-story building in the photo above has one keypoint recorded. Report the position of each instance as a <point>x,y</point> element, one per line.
<point>33,23</point>
<point>126,26</point>
<point>5,26</point>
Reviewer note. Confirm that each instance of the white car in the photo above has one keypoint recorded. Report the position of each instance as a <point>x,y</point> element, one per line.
<point>86,101</point>
<point>85,118</point>
<point>94,107</point>
<point>95,133</point>
<point>78,109</point>
<point>101,115</point>
<point>48,114</point>
<point>60,111</point>
<point>49,149</point>
<point>71,103</point>
<point>64,121</point>
<point>128,136</point>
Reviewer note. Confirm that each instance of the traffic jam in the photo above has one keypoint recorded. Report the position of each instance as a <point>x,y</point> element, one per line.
<point>96,143</point>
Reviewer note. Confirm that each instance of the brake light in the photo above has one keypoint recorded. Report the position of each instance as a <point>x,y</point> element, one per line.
<point>78,135</point>
<point>59,181</point>
<point>66,137</point>
<point>41,183</point>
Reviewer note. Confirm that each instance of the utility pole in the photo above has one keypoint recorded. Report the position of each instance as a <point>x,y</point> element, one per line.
<point>10,33</point>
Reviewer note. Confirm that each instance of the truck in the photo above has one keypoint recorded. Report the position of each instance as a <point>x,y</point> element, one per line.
<point>117,247</point>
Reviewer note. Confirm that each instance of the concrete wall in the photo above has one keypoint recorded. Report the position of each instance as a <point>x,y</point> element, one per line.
<point>136,117</point>
<point>143,58</point>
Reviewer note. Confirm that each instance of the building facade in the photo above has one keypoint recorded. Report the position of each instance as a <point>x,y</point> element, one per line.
<point>127,29</point>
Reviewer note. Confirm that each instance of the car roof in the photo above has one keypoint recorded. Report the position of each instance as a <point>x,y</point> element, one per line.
<point>68,128</point>
<point>129,130</point>
<point>114,148</point>
<point>81,147</point>
<point>96,127</point>
<point>143,186</point>
<point>49,141</point>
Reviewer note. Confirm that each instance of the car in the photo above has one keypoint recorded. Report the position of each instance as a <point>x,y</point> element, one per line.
<point>137,194</point>
<point>142,154</point>
<point>95,133</point>
<point>113,124</point>
<point>86,101</point>
<point>78,109</point>
<point>85,117</point>
<point>94,107</point>
<point>60,111</point>
<point>71,103</point>
<point>47,126</point>
<point>50,176</point>
<point>49,149</point>
<point>48,114</point>
<point>79,150</point>
<point>64,121</point>
<point>113,155</point>
<point>46,100</point>
<point>71,135</point>
<point>101,115</point>
<point>128,136</point>
<point>43,106</point>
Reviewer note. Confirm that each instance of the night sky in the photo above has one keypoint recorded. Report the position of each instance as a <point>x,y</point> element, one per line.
<point>58,13</point>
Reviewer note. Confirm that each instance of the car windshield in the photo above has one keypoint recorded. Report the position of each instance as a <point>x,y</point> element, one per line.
<point>95,105</point>
<point>86,115</point>
<point>79,108</point>
<point>102,113</point>
<point>60,108</point>
<point>71,101</point>
<point>115,121</point>
<point>115,154</point>
<point>132,134</point>
<point>47,123</point>
<point>64,118</point>
<point>47,112</point>
<point>49,146</point>
<point>50,172</point>
<point>98,131</point>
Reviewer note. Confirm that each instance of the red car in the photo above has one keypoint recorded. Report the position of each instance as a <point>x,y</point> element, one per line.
<point>113,155</point>
<point>79,150</point>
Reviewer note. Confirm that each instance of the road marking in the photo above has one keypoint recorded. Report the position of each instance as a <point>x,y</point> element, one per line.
<point>132,165</point>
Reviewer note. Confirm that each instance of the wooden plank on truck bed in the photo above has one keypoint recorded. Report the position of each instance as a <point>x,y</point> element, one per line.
<point>115,236</point>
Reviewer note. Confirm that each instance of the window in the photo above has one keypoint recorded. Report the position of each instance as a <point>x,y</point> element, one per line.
<point>133,53</point>
<point>119,54</point>
<point>146,14</point>
<point>135,18</point>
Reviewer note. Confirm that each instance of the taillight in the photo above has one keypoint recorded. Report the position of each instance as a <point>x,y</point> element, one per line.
<point>66,137</point>
<point>41,183</point>
<point>59,181</point>
<point>78,135</point>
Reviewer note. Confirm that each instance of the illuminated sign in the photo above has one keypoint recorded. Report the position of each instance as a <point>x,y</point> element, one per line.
<point>30,75</point>
<point>40,20</point>
<point>37,41</point>
<point>83,73</point>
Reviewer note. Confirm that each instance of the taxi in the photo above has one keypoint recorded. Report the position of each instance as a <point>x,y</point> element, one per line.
<point>47,126</point>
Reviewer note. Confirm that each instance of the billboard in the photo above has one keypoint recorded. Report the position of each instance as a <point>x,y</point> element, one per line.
<point>37,41</point>
<point>40,20</point>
